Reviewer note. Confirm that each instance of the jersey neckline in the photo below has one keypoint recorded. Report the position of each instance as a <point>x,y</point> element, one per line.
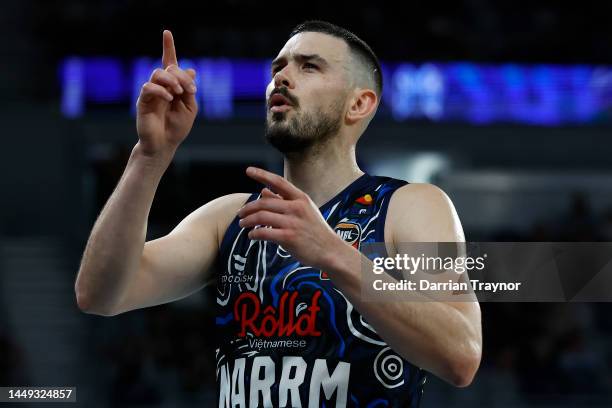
<point>352,185</point>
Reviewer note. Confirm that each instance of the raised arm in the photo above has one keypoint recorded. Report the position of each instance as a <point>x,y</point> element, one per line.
<point>118,272</point>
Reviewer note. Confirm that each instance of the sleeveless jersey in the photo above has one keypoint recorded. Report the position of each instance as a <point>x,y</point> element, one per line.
<point>287,337</point>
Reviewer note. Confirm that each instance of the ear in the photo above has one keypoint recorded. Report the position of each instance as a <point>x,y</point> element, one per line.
<point>362,105</point>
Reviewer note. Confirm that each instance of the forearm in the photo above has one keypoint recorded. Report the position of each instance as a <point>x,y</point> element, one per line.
<point>433,335</point>
<point>114,249</point>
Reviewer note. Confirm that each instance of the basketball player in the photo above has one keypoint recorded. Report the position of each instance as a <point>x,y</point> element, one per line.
<point>292,328</point>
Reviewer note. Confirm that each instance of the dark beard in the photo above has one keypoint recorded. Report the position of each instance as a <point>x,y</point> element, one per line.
<point>303,131</point>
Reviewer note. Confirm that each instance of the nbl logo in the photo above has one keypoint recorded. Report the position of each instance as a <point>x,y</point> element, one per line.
<point>350,233</point>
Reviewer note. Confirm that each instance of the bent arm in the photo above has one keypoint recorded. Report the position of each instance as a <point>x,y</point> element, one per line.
<point>119,272</point>
<point>442,337</point>
<point>178,264</point>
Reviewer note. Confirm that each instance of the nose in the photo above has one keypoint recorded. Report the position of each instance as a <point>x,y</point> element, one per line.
<point>283,78</point>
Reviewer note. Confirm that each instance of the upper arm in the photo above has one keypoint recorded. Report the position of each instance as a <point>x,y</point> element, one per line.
<point>424,213</point>
<point>179,263</point>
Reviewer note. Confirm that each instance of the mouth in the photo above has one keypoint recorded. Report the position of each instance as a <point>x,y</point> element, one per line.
<point>279,103</point>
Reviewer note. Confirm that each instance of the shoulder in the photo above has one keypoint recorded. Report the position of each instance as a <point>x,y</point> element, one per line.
<point>225,209</point>
<point>228,207</point>
<point>421,196</point>
<point>228,203</point>
<point>215,215</point>
<point>423,212</point>
<point>222,206</point>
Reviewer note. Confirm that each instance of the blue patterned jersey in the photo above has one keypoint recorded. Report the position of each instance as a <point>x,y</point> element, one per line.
<point>287,337</point>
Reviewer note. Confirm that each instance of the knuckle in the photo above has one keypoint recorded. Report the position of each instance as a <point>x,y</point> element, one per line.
<point>156,73</point>
<point>186,78</point>
<point>178,71</point>
<point>254,206</point>
<point>292,206</point>
<point>298,207</point>
<point>291,225</point>
<point>173,78</point>
<point>288,235</point>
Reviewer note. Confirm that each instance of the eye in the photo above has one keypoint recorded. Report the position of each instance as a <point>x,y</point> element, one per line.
<point>276,69</point>
<point>310,65</point>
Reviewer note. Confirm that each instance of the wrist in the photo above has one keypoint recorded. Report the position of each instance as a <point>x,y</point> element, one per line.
<point>337,254</point>
<point>342,262</point>
<point>158,160</point>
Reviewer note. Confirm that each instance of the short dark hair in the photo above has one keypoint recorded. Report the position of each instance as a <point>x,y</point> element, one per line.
<point>356,45</point>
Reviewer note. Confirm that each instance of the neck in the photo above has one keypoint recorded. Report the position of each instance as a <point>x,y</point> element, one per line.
<point>323,171</point>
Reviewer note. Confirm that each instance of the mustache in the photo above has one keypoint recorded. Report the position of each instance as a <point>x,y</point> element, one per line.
<point>285,92</point>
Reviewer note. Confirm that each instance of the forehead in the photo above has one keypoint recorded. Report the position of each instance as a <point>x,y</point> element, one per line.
<point>332,49</point>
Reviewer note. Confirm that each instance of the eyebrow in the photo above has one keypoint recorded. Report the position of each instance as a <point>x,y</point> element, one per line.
<point>301,57</point>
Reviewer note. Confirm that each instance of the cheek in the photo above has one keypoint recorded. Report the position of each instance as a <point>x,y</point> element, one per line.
<point>330,100</point>
<point>328,93</point>
<point>269,89</point>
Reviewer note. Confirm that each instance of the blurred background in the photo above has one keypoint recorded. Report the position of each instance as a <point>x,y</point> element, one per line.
<point>506,105</point>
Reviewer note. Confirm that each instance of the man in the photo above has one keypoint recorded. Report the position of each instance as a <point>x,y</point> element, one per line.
<point>291,325</point>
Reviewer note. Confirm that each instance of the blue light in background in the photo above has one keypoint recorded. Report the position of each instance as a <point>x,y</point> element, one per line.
<point>248,84</point>
<point>72,87</point>
<point>584,103</point>
<point>515,84</point>
<point>545,109</point>
<point>431,85</point>
<point>104,80</point>
<point>417,92</point>
<point>141,72</point>
<point>547,95</point>
<point>477,105</point>
<point>403,92</point>
<point>216,88</point>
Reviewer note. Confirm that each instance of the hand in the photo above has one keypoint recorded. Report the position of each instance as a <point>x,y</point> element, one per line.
<point>166,107</point>
<point>296,222</point>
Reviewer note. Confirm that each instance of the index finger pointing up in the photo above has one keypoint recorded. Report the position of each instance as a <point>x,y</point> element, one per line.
<point>169,53</point>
